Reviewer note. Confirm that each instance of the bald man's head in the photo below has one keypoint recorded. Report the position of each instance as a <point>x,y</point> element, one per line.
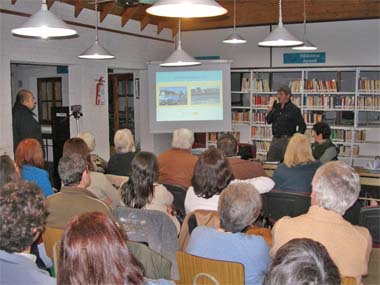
<point>26,98</point>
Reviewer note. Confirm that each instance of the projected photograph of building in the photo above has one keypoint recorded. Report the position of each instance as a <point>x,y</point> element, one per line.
<point>173,95</point>
<point>205,95</point>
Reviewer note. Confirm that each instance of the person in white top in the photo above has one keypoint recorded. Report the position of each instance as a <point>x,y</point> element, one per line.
<point>143,192</point>
<point>212,174</point>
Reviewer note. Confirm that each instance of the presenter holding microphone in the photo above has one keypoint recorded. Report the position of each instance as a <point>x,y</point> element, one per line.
<point>286,119</point>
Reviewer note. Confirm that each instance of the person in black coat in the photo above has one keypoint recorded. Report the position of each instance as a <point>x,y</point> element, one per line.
<point>25,124</point>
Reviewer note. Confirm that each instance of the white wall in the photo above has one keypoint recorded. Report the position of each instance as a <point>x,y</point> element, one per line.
<point>345,43</point>
<point>131,52</point>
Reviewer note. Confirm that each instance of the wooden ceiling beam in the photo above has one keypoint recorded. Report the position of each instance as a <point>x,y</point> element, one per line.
<point>78,8</point>
<point>105,9</point>
<point>49,3</point>
<point>144,22</point>
<point>160,26</point>
<point>128,13</point>
<point>13,2</point>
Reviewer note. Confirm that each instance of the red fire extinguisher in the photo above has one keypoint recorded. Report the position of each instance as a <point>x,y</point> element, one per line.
<point>100,91</point>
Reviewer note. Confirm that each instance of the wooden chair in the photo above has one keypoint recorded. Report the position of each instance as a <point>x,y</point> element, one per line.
<point>348,281</point>
<point>117,180</point>
<point>52,239</point>
<point>206,271</point>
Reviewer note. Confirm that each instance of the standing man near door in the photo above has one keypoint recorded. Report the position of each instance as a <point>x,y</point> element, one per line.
<point>285,117</point>
<point>25,124</point>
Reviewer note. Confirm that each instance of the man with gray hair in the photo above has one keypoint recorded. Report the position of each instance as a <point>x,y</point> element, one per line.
<point>176,166</point>
<point>336,187</point>
<point>74,198</point>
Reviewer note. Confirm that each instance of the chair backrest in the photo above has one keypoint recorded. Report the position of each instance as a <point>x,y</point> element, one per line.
<point>348,281</point>
<point>152,227</point>
<point>277,204</point>
<point>117,180</point>
<point>179,194</point>
<point>224,272</point>
<point>352,215</point>
<point>370,218</point>
<point>50,236</point>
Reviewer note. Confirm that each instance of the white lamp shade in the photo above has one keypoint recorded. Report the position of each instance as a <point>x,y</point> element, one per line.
<point>44,24</point>
<point>235,38</point>
<point>280,37</point>
<point>96,51</point>
<point>186,8</point>
<point>180,58</point>
<point>307,45</point>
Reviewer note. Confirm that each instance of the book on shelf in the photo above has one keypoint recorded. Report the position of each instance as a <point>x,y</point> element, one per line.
<point>261,156</point>
<point>258,132</point>
<point>262,100</point>
<point>262,146</point>
<point>345,150</point>
<point>213,136</point>
<point>258,117</point>
<point>240,116</point>
<point>245,84</point>
<point>346,135</point>
<point>312,118</point>
<point>367,85</point>
<point>260,85</point>
<point>369,102</point>
<point>329,101</point>
<point>315,85</point>
<point>295,86</point>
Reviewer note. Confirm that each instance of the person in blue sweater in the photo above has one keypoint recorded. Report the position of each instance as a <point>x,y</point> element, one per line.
<point>296,172</point>
<point>239,206</point>
<point>30,160</point>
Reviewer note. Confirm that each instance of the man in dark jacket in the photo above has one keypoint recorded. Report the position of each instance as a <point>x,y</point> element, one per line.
<point>25,124</point>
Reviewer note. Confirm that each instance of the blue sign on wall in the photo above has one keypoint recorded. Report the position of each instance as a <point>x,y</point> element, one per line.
<point>305,57</point>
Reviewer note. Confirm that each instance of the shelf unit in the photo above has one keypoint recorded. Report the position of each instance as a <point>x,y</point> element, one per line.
<point>348,98</point>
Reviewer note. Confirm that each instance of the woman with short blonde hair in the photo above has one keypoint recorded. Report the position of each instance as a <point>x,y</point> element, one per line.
<point>120,161</point>
<point>296,172</point>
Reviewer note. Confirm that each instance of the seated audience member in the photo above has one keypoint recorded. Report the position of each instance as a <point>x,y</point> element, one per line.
<point>297,170</point>
<point>239,206</point>
<point>212,174</point>
<point>176,165</point>
<point>242,169</point>
<point>23,214</point>
<point>98,163</point>
<point>141,191</point>
<point>30,161</point>
<point>100,186</point>
<point>302,261</point>
<point>120,161</point>
<point>94,251</point>
<point>323,148</point>
<point>74,198</point>
<point>8,170</point>
<point>336,187</point>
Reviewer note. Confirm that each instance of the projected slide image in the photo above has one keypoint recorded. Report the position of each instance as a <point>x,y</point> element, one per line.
<point>173,96</point>
<point>205,95</point>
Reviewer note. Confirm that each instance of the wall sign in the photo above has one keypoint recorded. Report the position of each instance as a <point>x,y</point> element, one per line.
<point>304,57</point>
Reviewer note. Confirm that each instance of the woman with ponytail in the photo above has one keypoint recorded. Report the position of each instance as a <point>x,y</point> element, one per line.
<point>142,191</point>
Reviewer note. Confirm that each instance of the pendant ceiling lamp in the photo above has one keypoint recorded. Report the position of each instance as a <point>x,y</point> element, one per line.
<point>96,51</point>
<point>280,37</point>
<point>179,57</point>
<point>306,44</point>
<point>186,8</point>
<point>44,24</point>
<point>234,38</point>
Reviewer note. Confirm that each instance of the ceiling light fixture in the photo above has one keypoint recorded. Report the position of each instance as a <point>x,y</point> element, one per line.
<point>96,51</point>
<point>179,57</point>
<point>235,38</point>
<point>280,37</point>
<point>44,24</point>
<point>186,8</point>
<point>306,44</point>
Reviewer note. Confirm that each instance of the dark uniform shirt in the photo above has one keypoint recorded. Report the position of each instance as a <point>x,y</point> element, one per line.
<point>285,121</point>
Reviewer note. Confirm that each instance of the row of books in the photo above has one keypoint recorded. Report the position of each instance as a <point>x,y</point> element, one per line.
<point>245,84</point>
<point>369,102</point>
<point>316,85</point>
<point>261,132</point>
<point>368,85</point>
<point>295,86</point>
<point>346,135</point>
<point>329,101</point>
<point>312,118</point>
<point>213,137</point>
<point>262,145</point>
<point>261,85</point>
<point>240,116</point>
<point>345,150</point>
<point>263,101</point>
<point>258,117</point>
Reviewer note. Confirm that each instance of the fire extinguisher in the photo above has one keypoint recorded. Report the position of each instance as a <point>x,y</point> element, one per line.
<point>100,91</point>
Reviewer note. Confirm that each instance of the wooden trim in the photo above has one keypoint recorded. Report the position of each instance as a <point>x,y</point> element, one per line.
<point>105,10</point>
<point>54,100</point>
<point>144,22</point>
<point>13,2</point>
<point>16,13</point>
<point>49,3</point>
<point>128,14</point>
<point>78,8</point>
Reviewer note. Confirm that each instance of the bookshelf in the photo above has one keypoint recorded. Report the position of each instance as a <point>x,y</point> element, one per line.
<point>347,98</point>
